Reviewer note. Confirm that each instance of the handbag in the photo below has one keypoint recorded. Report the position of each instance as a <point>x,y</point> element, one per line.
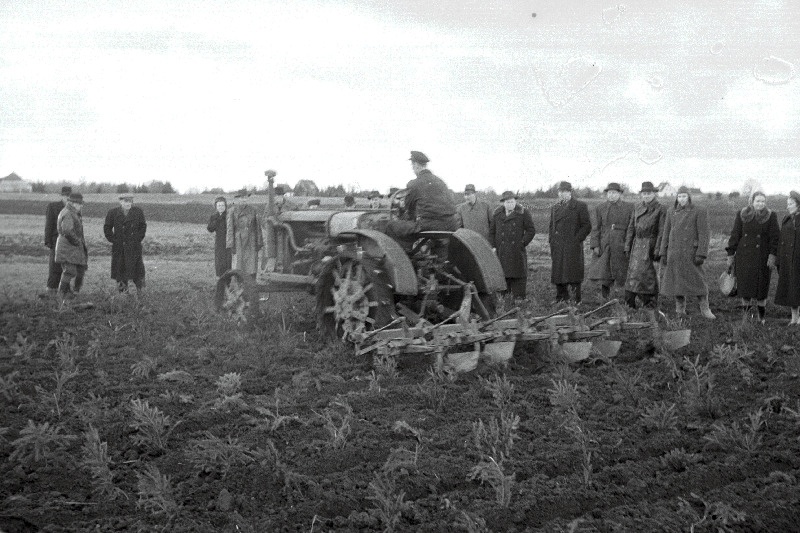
<point>727,282</point>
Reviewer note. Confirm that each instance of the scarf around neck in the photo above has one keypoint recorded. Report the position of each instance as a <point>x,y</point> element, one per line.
<point>748,213</point>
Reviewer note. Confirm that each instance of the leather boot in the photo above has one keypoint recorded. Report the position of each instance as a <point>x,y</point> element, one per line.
<point>680,306</point>
<point>705,310</point>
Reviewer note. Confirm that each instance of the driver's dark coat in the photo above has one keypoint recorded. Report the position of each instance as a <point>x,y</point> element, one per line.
<point>510,234</point>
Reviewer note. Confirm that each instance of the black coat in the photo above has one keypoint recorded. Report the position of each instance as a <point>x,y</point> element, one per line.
<point>429,198</point>
<point>788,291</point>
<point>752,243</point>
<point>569,226</point>
<point>126,233</point>
<point>50,223</point>
<point>218,224</point>
<point>510,235</point>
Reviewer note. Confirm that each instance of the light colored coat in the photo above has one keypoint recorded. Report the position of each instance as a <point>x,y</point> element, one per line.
<point>477,217</point>
<point>70,244</point>
<point>244,237</point>
<point>686,237</point>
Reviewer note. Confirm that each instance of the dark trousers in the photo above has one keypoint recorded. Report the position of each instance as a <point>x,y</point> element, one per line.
<point>649,301</point>
<point>563,290</point>
<point>69,272</point>
<point>516,286</point>
<point>122,285</point>
<point>53,270</point>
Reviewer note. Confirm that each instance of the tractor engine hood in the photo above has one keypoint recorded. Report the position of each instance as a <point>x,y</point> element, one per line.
<point>338,222</point>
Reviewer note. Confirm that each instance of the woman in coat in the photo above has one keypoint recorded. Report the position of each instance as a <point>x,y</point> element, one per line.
<point>643,245</point>
<point>569,226</point>
<point>243,234</point>
<point>684,248</point>
<point>511,229</point>
<point>125,229</point>
<point>218,224</point>
<point>752,250</point>
<point>788,292</point>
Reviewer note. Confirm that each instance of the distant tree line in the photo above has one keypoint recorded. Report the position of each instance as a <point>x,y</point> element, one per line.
<point>154,186</point>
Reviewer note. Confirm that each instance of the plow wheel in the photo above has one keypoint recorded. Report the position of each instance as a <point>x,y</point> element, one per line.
<point>237,297</point>
<point>353,298</point>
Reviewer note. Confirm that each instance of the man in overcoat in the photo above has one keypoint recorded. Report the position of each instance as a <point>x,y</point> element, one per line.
<point>125,228</point>
<point>474,214</point>
<point>643,245</point>
<point>570,224</point>
<point>218,225</point>
<point>684,248</point>
<point>608,238</point>
<point>50,236</point>
<point>244,237</point>
<point>511,230</point>
<point>70,249</point>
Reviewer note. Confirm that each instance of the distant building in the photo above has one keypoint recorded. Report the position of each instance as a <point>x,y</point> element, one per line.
<point>13,183</point>
<point>665,189</point>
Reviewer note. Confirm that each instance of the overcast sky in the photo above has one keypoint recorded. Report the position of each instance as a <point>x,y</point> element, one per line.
<point>511,94</point>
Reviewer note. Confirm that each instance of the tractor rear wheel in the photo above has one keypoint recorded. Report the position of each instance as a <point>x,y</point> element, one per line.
<point>353,298</point>
<point>237,297</point>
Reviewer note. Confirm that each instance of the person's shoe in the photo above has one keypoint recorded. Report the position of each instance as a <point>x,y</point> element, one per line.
<point>762,314</point>
<point>705,310</point>
<point>680,307</point>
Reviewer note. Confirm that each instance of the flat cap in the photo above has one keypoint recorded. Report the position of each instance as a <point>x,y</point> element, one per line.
<point>66,191</point>
<point>508,195</point>
<point>418,157</point>
<point>76,198</point>
<point>469,188</point>
<point>614,187</point>
<point>565,186</point>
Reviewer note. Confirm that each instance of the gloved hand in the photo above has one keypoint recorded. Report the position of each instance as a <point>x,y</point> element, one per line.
<point>729,260</point>
<point>596,251</point>
<point>699,260</point>
<point>772,261</point>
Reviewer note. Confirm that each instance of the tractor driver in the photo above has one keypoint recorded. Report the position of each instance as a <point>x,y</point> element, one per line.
<point>429,206</point>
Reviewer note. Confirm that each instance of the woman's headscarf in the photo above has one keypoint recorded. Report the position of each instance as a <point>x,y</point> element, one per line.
<point>749,212</point>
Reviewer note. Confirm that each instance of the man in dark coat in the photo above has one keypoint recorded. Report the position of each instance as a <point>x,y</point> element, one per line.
<point>754,245</point>
<point>608,238</point>
<point>510,231</point>
<point>643,245</point>
<point>125,229</point>
<point>50,236</point>
<point>788,292</point>
<point>217,224</point>
<point>429,206</point>
<point>570,224</point>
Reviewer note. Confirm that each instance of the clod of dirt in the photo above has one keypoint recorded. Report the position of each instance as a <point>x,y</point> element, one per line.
<point>176,376</point>
<point>224,500</point>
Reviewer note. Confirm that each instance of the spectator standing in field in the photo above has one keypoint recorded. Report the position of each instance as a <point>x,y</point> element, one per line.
<point>788,292</point>
<point>684,248</point>
<point>218,225</point>
<point>244,237</point>
<point>50,237</point>
<point>70,249</point>
<point>510,232</point>
<point>125,228</point>
<point>569,226</point>
<point>474,214</point>
<point>608,238</point>
<point>752,251</point>
<point>643,244</point>
<point>374,198</point>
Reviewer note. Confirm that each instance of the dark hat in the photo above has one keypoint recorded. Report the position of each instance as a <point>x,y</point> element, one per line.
<point>66,191</point>
<point>374,194</point>
<point>647,186</point>
<point>469,188</point>
<point>508,195</point>
<point>220,199</point>
<point>614,187</point>
<point>794,195</point>
<point>242,193</point>
<point>126,197</point>
<point>76,198</point>
<point>564,186</point>
<point>682,189</point>
<point>279,190</point>
<point>418,157</point>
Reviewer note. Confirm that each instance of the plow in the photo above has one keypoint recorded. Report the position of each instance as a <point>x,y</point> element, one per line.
<point>435,296</point>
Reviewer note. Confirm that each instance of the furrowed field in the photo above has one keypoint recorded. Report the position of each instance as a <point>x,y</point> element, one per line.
<point>159,415</point>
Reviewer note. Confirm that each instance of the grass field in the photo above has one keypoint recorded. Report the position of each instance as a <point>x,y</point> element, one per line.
<point>159,415</point>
